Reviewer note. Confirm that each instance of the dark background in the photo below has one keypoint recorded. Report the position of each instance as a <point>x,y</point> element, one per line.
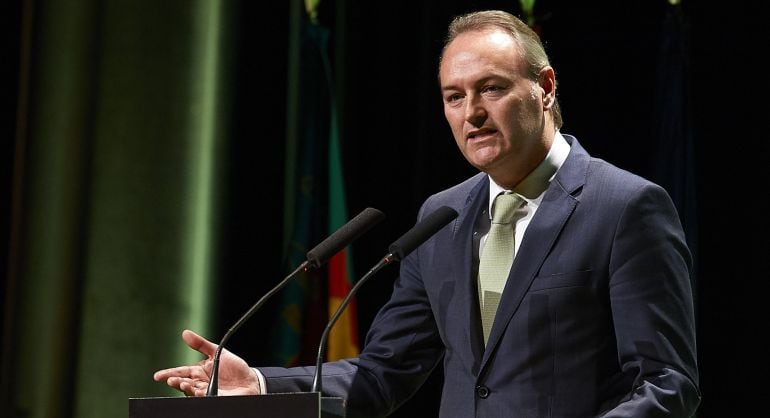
<point>397,148</point>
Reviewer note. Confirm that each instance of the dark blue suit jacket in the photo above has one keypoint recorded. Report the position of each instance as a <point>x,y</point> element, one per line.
<point>596,319</point>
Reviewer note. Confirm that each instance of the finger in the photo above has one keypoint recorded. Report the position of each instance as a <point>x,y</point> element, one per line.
<point>181,371</point>
<point>187,387</point>
<point>200,391</point>
<point>198,343</point>
<point>192,387</point>
<point>176,382</point>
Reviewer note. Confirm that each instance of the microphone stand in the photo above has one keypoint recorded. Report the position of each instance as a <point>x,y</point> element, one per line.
<point>315,258</point>
<point>214,380</point>
<point>396,252</point>
<point>317,386</point>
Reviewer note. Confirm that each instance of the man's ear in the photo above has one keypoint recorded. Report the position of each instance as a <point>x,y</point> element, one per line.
<point>547,82</point>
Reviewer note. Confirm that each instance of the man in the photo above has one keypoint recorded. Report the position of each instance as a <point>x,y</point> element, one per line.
<point>592,315</point>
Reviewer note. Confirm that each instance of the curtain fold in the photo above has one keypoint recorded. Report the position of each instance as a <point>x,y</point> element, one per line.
<point>116,237</point>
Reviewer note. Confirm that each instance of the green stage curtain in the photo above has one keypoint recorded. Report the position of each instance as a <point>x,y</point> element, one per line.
<point>115,241</point>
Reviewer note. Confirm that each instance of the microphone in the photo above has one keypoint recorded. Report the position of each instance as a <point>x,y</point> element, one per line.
<point>399,249</point>
<point>342,237</point>
<point>316,257</point>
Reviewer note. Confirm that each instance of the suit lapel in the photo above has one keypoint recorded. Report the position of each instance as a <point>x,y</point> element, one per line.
<point>469,319</point>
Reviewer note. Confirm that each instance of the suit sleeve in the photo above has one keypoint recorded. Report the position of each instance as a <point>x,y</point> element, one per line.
<point>652,309</point>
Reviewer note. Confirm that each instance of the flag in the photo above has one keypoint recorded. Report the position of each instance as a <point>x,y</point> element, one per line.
<point>343,338</point>
<point>315,206</point>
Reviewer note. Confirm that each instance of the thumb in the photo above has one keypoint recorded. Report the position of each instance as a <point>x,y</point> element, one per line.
<point>198,343</point>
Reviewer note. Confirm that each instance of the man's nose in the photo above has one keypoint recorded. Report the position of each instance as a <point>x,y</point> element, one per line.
<point>475,113</point>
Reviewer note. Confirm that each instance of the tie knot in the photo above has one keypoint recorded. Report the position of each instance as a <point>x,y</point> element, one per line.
<point>504,207</point>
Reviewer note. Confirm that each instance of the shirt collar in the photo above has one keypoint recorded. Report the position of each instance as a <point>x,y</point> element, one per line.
<point>532,187</point>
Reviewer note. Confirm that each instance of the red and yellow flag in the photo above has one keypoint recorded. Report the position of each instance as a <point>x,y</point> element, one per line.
<point>343,338</point>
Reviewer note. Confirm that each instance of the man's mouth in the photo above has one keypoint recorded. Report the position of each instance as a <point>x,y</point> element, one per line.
<point>479,134</point>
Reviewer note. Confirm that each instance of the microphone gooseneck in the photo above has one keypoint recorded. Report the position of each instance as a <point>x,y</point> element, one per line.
<point>214,379</point>
<point>325,336</point>
<point>399,249</point>
<point>316,257</point>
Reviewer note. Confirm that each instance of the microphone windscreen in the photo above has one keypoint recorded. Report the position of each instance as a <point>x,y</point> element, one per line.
<point>342,237</point>
<point>428,226</point>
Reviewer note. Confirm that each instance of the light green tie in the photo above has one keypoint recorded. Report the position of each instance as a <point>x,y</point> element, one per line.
<point>497,257</point>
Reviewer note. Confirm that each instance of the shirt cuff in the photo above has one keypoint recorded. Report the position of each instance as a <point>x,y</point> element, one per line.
<point>262,383</point>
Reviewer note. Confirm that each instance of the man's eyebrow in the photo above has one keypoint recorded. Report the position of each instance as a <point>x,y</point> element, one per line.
<point>478,82</point>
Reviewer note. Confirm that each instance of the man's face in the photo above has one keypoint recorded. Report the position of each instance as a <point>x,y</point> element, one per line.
<point>495,110</point>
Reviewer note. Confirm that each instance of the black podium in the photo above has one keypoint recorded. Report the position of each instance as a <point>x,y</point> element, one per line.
<point>274,405</point>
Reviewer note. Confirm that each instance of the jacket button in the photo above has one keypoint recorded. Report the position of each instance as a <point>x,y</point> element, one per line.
<point>482,392</point>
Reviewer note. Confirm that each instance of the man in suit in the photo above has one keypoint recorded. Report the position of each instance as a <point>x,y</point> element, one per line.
<point>594,314</point>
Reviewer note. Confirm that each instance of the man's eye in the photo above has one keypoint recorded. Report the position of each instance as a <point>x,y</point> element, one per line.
<point>491,89</point>
<point>453,98</point>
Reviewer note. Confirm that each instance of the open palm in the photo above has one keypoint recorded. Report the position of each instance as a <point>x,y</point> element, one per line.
<point>235,375</point>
